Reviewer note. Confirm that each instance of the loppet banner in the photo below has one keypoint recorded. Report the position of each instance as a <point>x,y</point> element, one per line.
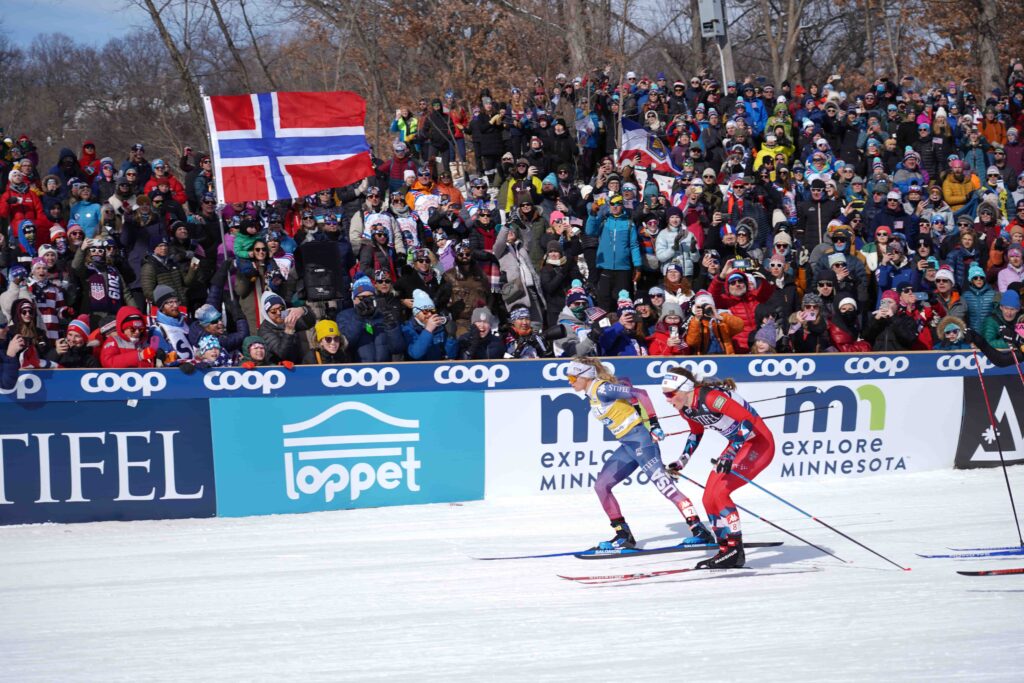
<point>848,429</point>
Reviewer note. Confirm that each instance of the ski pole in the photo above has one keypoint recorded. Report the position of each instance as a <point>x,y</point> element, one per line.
<point>773,524</point>
<point>1017,363</point>
<point>824,524</point>
<point>767,417</point>
<point>760,400</point>
<point>995,435</point>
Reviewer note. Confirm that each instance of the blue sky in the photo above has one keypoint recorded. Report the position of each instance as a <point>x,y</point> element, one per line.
<point>87,21</point>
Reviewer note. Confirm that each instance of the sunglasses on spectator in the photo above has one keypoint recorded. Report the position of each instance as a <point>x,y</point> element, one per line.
<point>906,290</point>
<point>811,307</point>
<point>776,265</point>
<point>422,260</point>
<point>260,250</point>
<point>824,284</point>
<point>657,296</point>
<point>331,340</point>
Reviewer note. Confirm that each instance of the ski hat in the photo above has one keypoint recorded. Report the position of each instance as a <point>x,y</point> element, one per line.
<point>482,315</point>
<point>161,294</point>
<point>421,301</point>
<point>655,291</point>
<point>326,328</point>
<point>208,342</point>
<point>575,294</point>
<point>362,285</point>
<point>945,273</point>
<point>848,300</point>
<point>624,304</point>
<point>270,298</point>
<point>891,294</point>
<point>768,334</point>
<point>727,229</point>
<point>835,258</point>
<point>975,271</point>
<point>1014,249</point>
<point>56,232</point>
<point>704,298</point>
<point>811,299</point>
<point>578,369</point>
<point>671,308</point>
<point>1010,299</point>
<point>79,325</point>
<point>207,315</point>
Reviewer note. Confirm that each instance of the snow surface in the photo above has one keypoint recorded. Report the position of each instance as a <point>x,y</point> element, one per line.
<point>385,593</point>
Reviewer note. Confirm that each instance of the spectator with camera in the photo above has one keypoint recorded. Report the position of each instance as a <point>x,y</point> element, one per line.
<point>710,332</point>
<point>371,326</point>
<point>425,334</point>
<point>740,288</point>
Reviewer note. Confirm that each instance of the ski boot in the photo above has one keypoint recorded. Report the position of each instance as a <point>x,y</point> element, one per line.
<point>623,537</point>
<point>730,555</point>
<point>700,533</point>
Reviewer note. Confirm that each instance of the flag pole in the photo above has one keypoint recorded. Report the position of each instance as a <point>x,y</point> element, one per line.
<point>218,190</point>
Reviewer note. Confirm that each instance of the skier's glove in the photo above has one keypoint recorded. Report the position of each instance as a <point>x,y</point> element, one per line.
<point>724,465</point>
<point>674,469</point>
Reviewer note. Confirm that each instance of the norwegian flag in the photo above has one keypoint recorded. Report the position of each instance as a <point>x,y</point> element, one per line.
<point>286,144</point>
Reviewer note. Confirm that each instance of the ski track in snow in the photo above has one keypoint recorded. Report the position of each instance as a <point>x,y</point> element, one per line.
<point>365,595</point>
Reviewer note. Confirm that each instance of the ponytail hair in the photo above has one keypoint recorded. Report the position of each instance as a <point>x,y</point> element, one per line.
<point>727,384</point>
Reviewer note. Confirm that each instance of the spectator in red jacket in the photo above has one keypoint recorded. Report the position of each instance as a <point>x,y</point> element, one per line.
<point>740,292</point>
<point>19,202</point>
<point>161,174</point>
<point>127,347</point>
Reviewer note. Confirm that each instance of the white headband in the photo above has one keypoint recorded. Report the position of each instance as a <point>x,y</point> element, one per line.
<point>673,382</point>
<point>577,369</point>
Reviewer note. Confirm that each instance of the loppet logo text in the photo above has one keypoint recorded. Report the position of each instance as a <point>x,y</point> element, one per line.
<point>477,374</point>
<point>232,380</point>
<point>785,367</point>
<point>148,383</point>
<point>26,385</point>
<point>864,365</point>
<point>381,379</point>
<point>702,368</point>
<point>383,460</point>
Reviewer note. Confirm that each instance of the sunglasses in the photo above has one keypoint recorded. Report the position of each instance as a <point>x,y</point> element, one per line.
<point>824,284</point>
<point>777,265</point>
<point>906,290</point>
<point>657,296</point>
<point>260,250</point>
<point>811,307</point>
<point>331,340</point>
<point>423,260</point>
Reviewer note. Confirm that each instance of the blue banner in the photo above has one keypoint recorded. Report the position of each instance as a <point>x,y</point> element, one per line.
<point>335,453</point>
<point>105,385</point>
<point>66,462</point>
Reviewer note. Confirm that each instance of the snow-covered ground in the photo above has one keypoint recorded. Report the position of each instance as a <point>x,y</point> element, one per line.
<point>386,593</point>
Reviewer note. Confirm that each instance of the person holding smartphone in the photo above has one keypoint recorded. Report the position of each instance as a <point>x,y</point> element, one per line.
<point>10,351</point>
<point>808,331</point>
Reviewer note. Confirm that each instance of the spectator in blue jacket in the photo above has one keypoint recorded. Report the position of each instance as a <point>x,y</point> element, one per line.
<point>208,320</point>
<point>425,334</point>
<point>618,249</point>
<point>370,334</point>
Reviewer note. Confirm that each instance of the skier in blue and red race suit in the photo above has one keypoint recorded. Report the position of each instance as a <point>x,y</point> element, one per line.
<point>714,404</point>
<point>612,403</point>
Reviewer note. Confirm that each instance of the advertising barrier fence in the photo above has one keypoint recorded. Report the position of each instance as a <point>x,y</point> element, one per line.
<point>129,444</point>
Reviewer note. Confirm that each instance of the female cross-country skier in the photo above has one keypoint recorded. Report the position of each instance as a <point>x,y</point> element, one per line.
<point>714,404</point>
<point>612,403</point>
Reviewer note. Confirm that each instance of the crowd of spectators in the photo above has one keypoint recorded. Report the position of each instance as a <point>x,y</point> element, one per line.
<point>798,219</point>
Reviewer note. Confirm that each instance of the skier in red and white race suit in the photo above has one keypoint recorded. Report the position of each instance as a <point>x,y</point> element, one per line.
<point>714,404</point>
